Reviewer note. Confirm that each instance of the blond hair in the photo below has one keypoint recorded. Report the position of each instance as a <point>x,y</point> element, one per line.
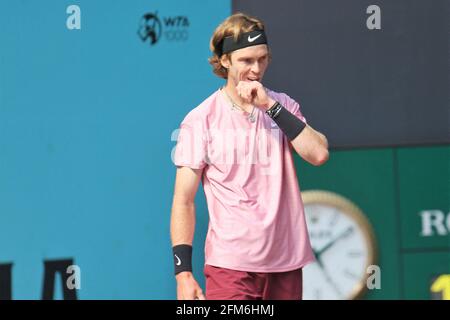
<point>233,26</point>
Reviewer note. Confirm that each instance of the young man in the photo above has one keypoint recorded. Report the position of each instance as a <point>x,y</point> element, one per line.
<point>239,142</point>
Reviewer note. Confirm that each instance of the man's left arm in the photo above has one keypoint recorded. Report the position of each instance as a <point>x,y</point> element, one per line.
<point>311,145</point>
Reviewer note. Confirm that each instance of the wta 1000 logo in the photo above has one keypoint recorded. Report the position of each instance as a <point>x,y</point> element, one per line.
<point>172,28</point>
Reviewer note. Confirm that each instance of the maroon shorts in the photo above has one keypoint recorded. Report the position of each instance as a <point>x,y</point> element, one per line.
<point>227,284</point>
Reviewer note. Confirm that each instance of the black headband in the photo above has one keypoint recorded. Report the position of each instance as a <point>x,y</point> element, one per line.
<point>247,39</point>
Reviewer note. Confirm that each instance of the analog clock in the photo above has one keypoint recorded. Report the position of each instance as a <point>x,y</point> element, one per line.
<point>343,243</point>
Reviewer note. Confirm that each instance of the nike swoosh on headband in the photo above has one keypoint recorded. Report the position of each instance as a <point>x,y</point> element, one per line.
<point>247,39</point>
<point>250,39</point>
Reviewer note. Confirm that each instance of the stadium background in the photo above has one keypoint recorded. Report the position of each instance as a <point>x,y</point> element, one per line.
<point>87,122</point>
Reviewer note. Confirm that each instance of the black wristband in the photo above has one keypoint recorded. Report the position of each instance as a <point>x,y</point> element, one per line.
<point>182,255</point>
<point>286,121</point>
<point>274,110</point>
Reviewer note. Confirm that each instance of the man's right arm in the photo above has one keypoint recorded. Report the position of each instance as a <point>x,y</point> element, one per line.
<point>182,226</point>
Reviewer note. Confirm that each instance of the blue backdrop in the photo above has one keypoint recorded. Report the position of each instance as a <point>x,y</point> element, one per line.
<point>86,118</point>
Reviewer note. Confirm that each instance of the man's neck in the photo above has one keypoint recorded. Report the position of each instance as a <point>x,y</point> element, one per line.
<point>231,91</point>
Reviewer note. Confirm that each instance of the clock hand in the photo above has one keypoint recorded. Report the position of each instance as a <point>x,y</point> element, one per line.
<point>332,242</point>
<point>330,281</point>
<point>318,260</point>
<point>327,276</point>
<point>315,253</point>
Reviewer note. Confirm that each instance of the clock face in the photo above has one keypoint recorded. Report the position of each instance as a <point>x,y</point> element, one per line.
<point>343,243</point>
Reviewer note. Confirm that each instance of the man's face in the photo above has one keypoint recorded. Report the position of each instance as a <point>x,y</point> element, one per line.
<point>247,64</point>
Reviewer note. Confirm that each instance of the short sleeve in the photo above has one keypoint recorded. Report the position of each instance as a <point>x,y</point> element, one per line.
<point>190,150</point>
<point>294,107</point>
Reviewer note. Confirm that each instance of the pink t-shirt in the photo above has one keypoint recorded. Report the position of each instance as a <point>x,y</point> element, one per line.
<point>256,215</point>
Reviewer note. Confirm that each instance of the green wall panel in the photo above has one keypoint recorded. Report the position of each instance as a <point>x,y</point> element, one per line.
<point>367,178</point>
<point>392,186</point>
<point>420,269</point>
<point>424,180</point>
